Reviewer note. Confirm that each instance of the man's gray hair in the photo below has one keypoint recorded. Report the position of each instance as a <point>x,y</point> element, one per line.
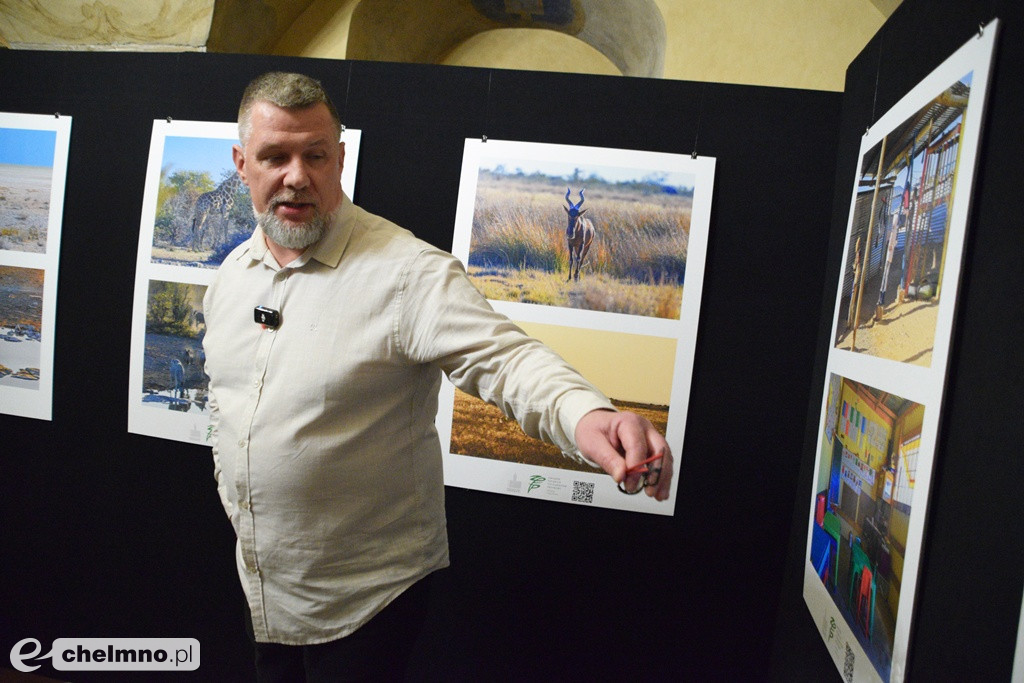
<point>286,90</point>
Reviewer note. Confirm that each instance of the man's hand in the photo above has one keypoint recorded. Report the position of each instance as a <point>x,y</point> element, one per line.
<point>617,441</point>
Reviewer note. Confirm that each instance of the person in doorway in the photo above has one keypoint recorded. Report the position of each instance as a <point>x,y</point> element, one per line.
<point>327,333</point>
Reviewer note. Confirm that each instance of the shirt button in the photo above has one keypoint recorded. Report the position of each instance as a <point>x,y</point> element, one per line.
<point>244,504</point>
<point>241,443</point>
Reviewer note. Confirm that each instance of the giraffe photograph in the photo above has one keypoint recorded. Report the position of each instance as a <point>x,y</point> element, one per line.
<point>203,210</point>
<point>26,177</point>
<point>583,228</point>
<point>194,212</point>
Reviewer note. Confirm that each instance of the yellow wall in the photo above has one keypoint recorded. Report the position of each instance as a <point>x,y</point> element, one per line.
<point>786,43</point>
<point>867,452</point>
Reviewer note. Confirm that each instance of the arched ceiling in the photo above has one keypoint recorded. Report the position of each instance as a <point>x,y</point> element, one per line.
<point>630,34</point>
<point>790,45</point>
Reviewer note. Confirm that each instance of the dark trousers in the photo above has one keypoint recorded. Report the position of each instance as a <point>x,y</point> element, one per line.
<point>379,651</point>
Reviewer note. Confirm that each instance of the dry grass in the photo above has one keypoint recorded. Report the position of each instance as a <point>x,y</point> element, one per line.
<point>594,292</point>
<point>519,238</point>
<point>482,430</point>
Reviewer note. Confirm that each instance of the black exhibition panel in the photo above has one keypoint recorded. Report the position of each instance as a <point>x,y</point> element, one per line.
<point>968,607</point>
<point>112,534</point>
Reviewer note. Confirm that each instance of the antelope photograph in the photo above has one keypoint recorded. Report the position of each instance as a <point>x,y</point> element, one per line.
<point>580,235</point>
<point>202,209</point>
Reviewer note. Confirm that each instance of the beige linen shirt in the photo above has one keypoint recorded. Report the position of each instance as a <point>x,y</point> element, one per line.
<point>325,451</point>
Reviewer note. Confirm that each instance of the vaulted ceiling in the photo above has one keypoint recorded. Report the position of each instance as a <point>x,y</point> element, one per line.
<point>761,42</point>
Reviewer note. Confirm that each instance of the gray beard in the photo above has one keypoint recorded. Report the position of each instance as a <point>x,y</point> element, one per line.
<point>293,236</point>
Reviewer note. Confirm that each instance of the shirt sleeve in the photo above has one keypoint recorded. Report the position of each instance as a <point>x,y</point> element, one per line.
<point>440,317</point>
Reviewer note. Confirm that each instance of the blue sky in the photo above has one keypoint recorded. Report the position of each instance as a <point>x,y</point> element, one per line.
<point>27,147</point>
<point>212,155</point>
<point>612,174</point>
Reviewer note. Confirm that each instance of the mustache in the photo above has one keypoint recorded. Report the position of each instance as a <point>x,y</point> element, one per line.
<point>292,197</point>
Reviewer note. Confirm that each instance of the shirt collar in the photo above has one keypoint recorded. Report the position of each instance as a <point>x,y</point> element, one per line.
<point>327,251</point>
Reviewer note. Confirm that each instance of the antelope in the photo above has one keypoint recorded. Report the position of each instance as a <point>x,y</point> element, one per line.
<point>579,233</point>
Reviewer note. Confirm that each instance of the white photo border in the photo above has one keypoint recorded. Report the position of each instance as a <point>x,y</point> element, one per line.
<point>922,385</point>
<point>557,484</point>
<point>190,427</point>
<point>37,402</point>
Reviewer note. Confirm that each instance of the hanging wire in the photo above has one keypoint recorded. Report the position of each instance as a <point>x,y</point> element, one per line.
<point>878,70</point>
<point>344,106</point>
<point>700,115</point>
<point>487,106</point>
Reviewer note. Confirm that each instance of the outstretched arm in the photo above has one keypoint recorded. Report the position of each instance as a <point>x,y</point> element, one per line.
<point>618,441</point>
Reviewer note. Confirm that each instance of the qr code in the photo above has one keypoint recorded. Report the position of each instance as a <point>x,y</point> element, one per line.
<point>848,665</point>
<point>582,492</point>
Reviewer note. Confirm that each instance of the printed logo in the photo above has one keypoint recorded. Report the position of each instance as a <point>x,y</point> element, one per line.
<point>110,654</point>
<point>535,481</point>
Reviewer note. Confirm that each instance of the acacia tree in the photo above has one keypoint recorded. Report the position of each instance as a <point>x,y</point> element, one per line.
<point>177,193</point>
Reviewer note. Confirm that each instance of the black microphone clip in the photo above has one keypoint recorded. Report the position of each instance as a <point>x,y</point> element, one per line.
<point>267,317</point>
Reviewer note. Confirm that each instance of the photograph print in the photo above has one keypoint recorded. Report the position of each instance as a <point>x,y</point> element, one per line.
<point>480,429</point>
<point>33,174</point>
<point>194,212</point>
<point>172,374</point>
<point>21,324</point>
<point>886,373</point>
<point>580,227</point>
<point>203,209</point>
<point>199,206</point>
<point>26,179</point>
<point>600,254</point>
<point>489,451</point>
<point>864,497</point>
<point>896,265</point>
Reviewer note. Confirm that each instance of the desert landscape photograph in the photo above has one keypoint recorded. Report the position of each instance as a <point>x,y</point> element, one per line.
<point>634,371</point>
<point>26,176</point>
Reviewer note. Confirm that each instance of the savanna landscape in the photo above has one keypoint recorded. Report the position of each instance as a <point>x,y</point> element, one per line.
<point>635,265</point>
<point>482,430</point>
<point>24,207</point>
<point>200,219</point>
<point>174,355</point>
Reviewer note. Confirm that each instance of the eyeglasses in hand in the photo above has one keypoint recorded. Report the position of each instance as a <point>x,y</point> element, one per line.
<point>649,476</point>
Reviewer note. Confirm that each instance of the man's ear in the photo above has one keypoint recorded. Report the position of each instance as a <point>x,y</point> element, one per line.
<point>238,156</point>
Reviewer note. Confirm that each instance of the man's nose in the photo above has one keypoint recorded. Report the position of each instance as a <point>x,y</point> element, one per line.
<point>296,175</point>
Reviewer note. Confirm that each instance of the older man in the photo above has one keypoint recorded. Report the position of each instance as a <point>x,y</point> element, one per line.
<point>327,333</point>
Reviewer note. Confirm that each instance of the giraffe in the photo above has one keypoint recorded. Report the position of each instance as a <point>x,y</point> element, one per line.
<point>211,206</point>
